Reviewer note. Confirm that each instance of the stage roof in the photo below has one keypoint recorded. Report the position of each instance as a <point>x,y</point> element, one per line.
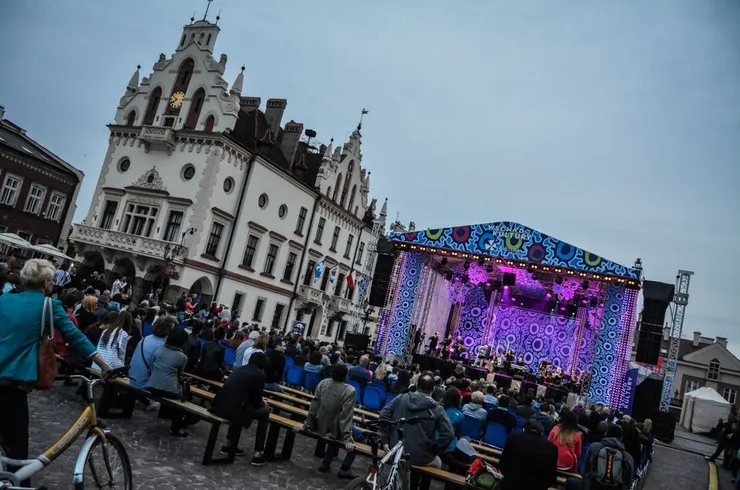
<point>512,241</point>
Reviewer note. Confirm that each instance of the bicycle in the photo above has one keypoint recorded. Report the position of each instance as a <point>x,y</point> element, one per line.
<point>398,471</point>
<point>100,469</point>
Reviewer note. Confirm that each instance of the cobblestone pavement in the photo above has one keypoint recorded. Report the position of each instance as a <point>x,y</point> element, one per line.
<point>162,462</point>
<point>677,469</point>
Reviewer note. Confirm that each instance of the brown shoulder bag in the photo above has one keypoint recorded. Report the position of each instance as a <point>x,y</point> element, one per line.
<point>47,362</point>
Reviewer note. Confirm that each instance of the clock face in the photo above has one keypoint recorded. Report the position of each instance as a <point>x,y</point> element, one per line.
<point>176,99</point>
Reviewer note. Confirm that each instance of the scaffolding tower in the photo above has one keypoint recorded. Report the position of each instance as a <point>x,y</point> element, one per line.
<point>680,300</point>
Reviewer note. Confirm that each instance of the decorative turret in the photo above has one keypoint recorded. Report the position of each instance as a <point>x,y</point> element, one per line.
<point>236,87</point>
<point>133,84</point>
<point>326,167</point>
<point>383,213</point>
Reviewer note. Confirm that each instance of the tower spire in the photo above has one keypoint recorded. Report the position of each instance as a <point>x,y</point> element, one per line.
<point>133,84</point>
<point>362,114</point>
<point>237,86</point>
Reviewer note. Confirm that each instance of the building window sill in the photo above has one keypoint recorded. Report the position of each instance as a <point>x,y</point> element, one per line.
<point>246,268</point>
<point>347,257</point>
<point>300,234</point>
<point>333,250</point>
<point>286,281</point>
<point>267,274</point>
<point>210,257</point>
<point>317,242</point>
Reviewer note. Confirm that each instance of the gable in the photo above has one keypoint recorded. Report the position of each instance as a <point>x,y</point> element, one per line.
<point>513,241</point>
<point>714,351</point>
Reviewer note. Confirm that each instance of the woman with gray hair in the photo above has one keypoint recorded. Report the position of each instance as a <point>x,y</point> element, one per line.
<point>20,331</point>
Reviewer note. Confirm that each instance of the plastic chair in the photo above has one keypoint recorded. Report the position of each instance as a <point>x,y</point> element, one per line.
<point>311,381</point>
<point>146,329</point>
<point>495,435</point>
<point>358,391</point>
<point>294,375</point>
<point>582,457</point>
<point>230,356</point>
<point>373,398</point>
<point>472,427</point>
<point>289,361</point>
<point>389,397</point>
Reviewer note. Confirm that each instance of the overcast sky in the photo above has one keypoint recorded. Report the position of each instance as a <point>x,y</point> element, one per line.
<point>612,125</point>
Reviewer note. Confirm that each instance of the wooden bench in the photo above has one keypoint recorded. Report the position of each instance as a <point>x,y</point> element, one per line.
<point>202,413</point>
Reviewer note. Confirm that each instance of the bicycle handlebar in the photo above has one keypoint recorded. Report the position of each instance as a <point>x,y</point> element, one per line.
<point>398,422</point>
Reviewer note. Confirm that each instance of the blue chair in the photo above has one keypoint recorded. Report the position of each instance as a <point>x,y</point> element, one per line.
<point>358,391</point>
<point>495,435</point>
<point>146,329</point>
<point>202,343</point>
<point>229,356</point>
<point>289,361</point>
<point>472,427</point>
<point>373,398</point>
<point>582,457</point>
<point>379,384</point>
<point>389,397</point>
<point>311,381</point>
<point>295,375</point>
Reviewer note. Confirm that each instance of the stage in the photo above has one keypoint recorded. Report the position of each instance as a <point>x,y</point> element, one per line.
<point>514,289</point>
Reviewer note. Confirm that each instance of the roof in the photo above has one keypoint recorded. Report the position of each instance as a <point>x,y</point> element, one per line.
<point>15,138</point>
<point>707,393</point>
<point>514,241</point>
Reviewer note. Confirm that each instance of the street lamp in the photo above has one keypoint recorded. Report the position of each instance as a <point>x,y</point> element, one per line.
<point>171,251</point>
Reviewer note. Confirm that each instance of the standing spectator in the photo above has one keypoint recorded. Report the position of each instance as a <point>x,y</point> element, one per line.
<point>608,465</point>
<point>180,307</point>
<point>167,367</point>
<point>86,314</point>
<point>240,400</point>
<point>360,374</point>
<point>528,461</point>
<point>567,438</point>
<point>118,286</point>
<point>61,280</point>
<point>330,415</point>
<point>402,383</point>
<point>97,282</point>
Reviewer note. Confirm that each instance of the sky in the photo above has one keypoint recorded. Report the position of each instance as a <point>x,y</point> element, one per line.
<point>612,125</point>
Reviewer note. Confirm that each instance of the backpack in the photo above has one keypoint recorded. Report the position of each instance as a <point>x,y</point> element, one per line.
<point>609,467</point>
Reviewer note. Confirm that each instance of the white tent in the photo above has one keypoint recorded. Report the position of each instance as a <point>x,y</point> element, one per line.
<point>702,409</point>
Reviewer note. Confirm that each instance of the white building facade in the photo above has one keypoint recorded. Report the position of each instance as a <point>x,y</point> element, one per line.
<point>201,191</point>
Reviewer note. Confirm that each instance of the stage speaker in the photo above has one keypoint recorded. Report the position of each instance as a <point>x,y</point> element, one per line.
<point>509,279</point>
<point>356,341</point>
<point>664,425</point>
<point>657,296</point>
<point>381,279</point>
<point>647,398</point>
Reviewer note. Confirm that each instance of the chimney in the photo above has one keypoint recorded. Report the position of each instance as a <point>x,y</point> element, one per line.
<point>697,337</point>
<point>2,113</point>
<point>666,333</point>
<point>274,113</point>
<point>291,137</point>
<point>722,341</point>
<point>248,104</point>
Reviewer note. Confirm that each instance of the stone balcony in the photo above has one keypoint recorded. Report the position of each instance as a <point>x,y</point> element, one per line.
<point>158,137</point>
<point>341,304</point>
<point>115,240</point>
<point>310,295</point>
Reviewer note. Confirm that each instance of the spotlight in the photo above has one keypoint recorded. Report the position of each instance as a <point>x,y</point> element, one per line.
<point>549,295</point>
<point>488,285</point>
<point>559,280</point>
<point>481,261</point>
<point>444,261</point>
<point>489,269</point>
<point>467,264</point>
<point>584,285</point>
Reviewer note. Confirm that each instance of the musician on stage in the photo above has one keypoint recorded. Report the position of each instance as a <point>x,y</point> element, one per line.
<point>433,343</point>
<point>446,344</point>
<point>544,363</point>
<point>418,339</point>
<point>508,360</point>
<point>482,355</point>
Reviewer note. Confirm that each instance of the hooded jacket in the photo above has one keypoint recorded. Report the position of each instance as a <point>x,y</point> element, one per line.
<point>419,438</point>
<point>592,460</point>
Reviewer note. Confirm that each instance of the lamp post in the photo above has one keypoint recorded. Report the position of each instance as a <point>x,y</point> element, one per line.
<point>171,251</point>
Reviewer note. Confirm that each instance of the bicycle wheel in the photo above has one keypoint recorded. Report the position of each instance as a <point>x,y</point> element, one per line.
<point>359,483</point>
<point>113,471</point>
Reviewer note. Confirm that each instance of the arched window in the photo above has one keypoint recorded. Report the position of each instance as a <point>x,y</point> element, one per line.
<point>196,104</point>
<point>328,192</point>
<point>202,36</point>
<point>352,197</point>
<point>209,40</point>
<point>182,41</point>
<point>347,182</point>
<point>151,109</point>
<point>208,125</point>
<point>336,187</point>
<point>183,76</point>
<point>357,208</point>
<point>713,373</point>
<point>131,118</point>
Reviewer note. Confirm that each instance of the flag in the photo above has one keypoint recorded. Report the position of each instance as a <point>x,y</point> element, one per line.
<point>333,274</point>
<point>318,269</point>
<point>351,280</point>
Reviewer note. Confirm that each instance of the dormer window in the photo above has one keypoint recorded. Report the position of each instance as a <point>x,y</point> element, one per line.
<point>713,373</point>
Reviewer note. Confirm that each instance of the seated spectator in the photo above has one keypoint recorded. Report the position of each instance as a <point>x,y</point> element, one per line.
<point>607,454</point>
<point>236,340</point>
<point>528,461</point>
<point>314,363</point>
<point>567,438</point>
<point>274,372</point>
<point>113,341</point>
<point>212,358</point>
<point>598,433</point>
<point>526,409</point>
<point>141,361</point>
<point>439,390</point>
<point>475,407</point>
<point>86,314</point>
<point>490,397</point>
<point>502,415</point>
<point>168,365</point>
<point>381,371</point>
<point>302,358</point>
<point>543,417</point>
<point>260,345</point>
<point>402,383</point>
<point>360,374</point>
<point>240,400</point>
<point>512,394</point>
<point>330,415</point>
<point>457,460</point>
<point>193,346</point>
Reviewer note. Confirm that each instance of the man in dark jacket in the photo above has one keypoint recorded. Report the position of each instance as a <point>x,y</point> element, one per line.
<point>613,440</point>
<point>502,415</point>
<point>419,438</point>
<point>529,461</point>
<point>240,400</point>
<point>275,370</point>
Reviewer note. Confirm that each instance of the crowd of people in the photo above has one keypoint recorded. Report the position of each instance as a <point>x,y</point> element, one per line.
<point>108,329</point>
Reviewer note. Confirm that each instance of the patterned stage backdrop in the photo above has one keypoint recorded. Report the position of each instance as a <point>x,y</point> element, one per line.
<point>606,359</point>
<point>398,330</point>
<point>537,335</point>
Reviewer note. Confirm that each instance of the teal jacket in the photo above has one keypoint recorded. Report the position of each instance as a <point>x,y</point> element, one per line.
<point>20,331</point>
